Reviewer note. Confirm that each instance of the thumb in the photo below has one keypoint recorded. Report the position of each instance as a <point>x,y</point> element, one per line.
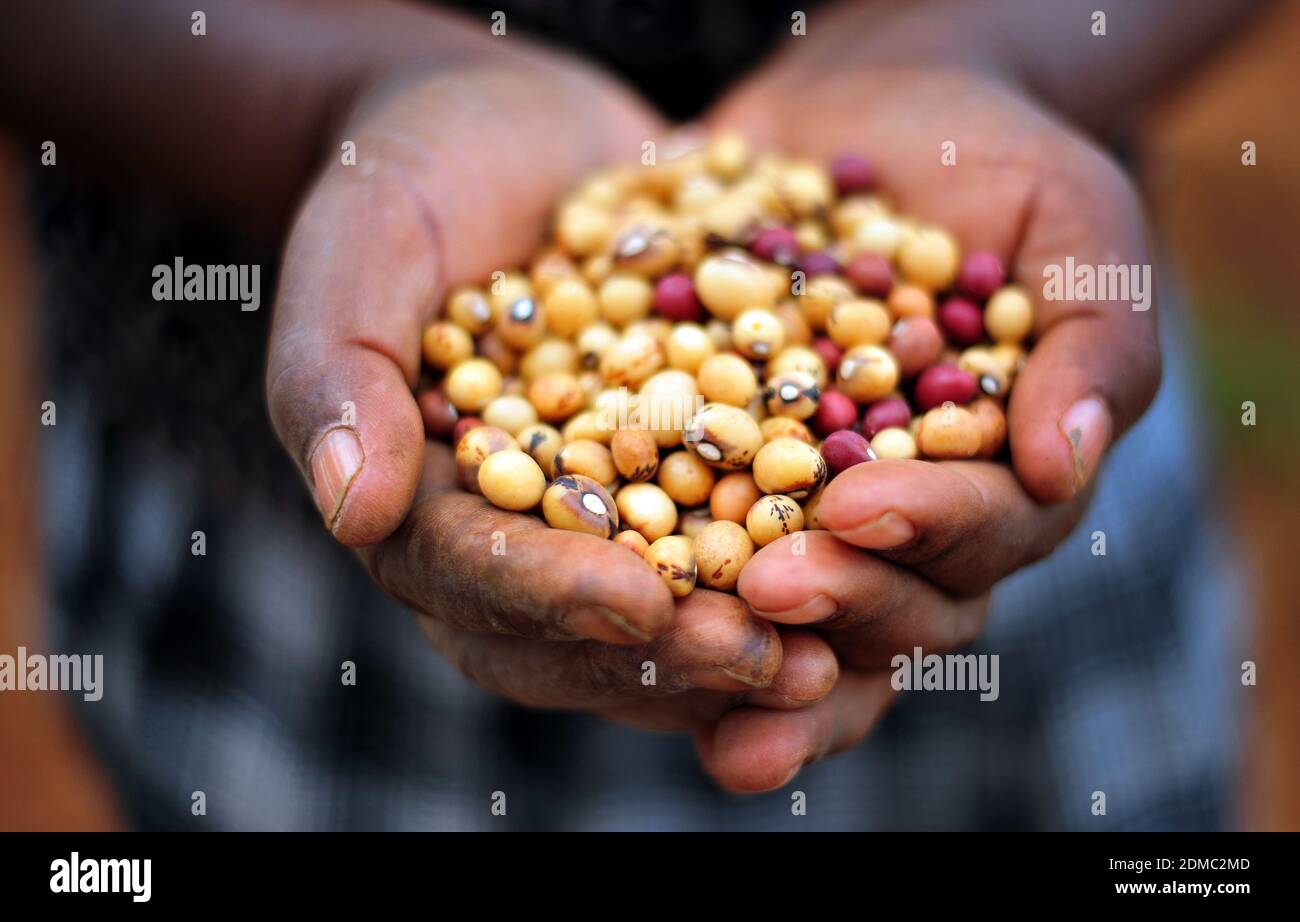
<point>358,280</point>
<point>441,194</point>
<point>1096,365</point>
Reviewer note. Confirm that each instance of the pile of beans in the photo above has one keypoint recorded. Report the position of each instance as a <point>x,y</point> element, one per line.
<point>706,342</point>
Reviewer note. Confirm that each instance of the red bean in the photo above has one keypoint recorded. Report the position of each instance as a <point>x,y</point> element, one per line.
<point>980,275</point>
<point>892,411</point>
<point>463,425</point>
<point>916,343</point>
<point>835,412</point>
<point>777,244</point>
<point>819,263</point>
<point>843,449</point>
<point>852,174</point>
<point>830,353</point>
<point>440,417</point>
<point>962,321</point>
<point>675,299</point>
<point>872,273</point>
<point>941,383</point>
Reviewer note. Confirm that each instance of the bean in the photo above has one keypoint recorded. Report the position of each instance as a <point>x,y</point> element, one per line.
<point>675,299</point>
<point>731,283</point>
<point>475,447</point>
<point>439,416</point>
<point>510,412</point>
<point>892,411</point>
<point>871,273</point>
<point>511,480</point>
<point>844,449</point>
<point>648,509</point>
<point>588,458</point>
<point>728,379</point>
<point>789,466</point>
<point>686,479</point>
<point>773,517</point>
<point>1009,315</point>
<point>776,244</point>
<point>783,427</point>
<point>794,394</point>
<point>949,431</point>
<point>721,551</point>
<point>732,496</point>
<point>943,383</point>
<point>557,395</point>
<point>917,343</point>
<point>672,559</point>
<point>894,443</point>
<point>473,384</point>
<point>867,373</point>
<point>852,173</point>
<point>542,443</point>
<point>723,436</point>
<point>929,258</point>
<point>446,345</point>
<point>633,541</point>
<point>834,412</point>
<point>523,324</point>
<point>577,503</point>
<point>961,321</point>
<point>980,275</point>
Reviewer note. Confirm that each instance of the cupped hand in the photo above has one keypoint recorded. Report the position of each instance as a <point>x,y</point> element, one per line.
<point>514,604</point>
<point>913,548</point>
<point>457,171</point>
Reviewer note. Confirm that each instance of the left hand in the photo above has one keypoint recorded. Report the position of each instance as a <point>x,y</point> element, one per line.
<point>941,535</point>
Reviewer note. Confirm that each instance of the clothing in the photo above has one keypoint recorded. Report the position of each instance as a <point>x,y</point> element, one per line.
<point>223,672</point>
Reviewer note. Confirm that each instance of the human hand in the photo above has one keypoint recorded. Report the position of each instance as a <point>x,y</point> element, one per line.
<point>941,535</point>
<point>457,174</point>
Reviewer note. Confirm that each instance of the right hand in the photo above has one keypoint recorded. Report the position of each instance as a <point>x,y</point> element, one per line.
<point>456,174</point>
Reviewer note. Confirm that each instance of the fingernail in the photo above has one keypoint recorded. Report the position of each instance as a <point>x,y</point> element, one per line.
<point>720,678</point>
<point>790,777</point>
<point>818,608</point>
<point>1086,427</point>
<point>889,531</point>
<point>604,624</point>
<point>334,465</point>
<point>777,701</point>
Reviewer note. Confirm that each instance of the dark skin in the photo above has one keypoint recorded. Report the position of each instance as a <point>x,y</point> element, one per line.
<point>466,141</point>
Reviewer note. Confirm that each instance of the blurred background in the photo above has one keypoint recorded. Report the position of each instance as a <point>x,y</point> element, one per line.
<point>1231,233</point>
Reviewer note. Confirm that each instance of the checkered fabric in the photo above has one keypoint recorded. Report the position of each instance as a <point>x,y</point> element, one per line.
<point>1118,673</point>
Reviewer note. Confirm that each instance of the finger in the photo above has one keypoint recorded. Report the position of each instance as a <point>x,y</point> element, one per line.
<point>961,524</point>
<point>808,673</point>
<point>1085,382</point>
<point>809,670</point>
<point>475,567</point>
<point>439,196</point>
<point>754,749</point>
<point>1095,365</point>
<point>358,279</point>
<point>1040,196</point>
<point>868,608</point>
<point>715,644</point>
